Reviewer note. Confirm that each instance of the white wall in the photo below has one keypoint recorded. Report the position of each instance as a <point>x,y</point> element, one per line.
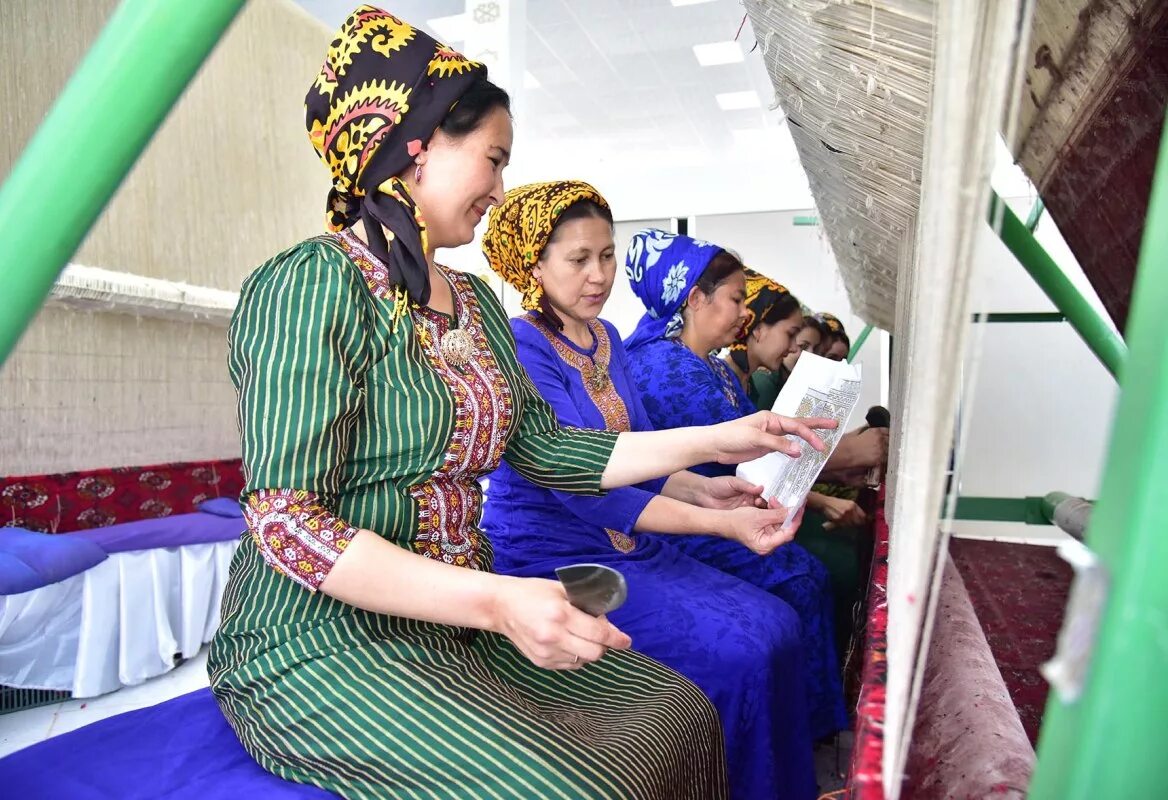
<point>1040,418</point>
<point>1041,414</point>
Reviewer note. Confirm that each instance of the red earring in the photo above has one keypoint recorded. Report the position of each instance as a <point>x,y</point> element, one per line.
<point>418,174</point>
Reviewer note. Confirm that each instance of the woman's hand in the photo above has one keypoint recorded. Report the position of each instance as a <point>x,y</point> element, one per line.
<point>842,513</point>
<point>536,616</point>
<point>764,432</point>
<point>866,448</point>
<point>726,492</point>
<point>760,529</point>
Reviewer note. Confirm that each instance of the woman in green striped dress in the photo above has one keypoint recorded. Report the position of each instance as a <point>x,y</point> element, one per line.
<point>366,647</point>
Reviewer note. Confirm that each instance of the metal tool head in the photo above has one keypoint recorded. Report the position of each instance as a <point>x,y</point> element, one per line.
<point>593,588</point>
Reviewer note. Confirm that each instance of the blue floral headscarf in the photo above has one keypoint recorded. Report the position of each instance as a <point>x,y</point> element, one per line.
<point>662,269</point>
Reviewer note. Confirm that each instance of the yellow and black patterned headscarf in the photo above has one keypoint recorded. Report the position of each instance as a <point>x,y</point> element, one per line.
<point>383,90</point>
<point>762,294</point>
<point>832,323</point>
<point>519,229</point>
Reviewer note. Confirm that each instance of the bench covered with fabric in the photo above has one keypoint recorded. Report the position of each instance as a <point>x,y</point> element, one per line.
<point>182,749</point>
<point>92,611</point>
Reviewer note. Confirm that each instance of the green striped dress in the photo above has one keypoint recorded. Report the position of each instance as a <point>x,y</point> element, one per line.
<point>345,411</point>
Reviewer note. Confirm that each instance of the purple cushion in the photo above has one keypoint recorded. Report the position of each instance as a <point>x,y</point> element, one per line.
<point>182,749</point>
<point>30,560</point>
<point>175,531</point>
<point>222,507</point>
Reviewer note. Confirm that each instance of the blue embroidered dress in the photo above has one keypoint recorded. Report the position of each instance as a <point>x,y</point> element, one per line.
<point>742,646</point>
<point>678,388</point>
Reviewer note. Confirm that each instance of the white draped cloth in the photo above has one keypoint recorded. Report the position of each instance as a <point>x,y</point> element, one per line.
<point>117,624</point>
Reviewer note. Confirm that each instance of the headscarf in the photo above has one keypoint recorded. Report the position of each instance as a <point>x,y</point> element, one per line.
<point>762,294</point>
<point>519,228</point>
<point>832,323</point>
<point>383,90</point>
<point>662,269</point>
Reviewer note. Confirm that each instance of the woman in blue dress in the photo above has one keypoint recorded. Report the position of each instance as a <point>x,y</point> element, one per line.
<point>695,294</point>
<point>742,646</point>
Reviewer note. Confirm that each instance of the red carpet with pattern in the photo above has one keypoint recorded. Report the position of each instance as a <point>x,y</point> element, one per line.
<point>1019,592</point>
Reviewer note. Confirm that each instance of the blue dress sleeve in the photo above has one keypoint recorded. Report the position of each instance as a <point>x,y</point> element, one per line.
<point>617,510</point>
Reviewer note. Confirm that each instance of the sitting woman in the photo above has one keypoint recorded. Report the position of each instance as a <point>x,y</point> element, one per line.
<point>553,243</point>
<point>366,646</point>
<point>694,293</point>
<point>765,384</point>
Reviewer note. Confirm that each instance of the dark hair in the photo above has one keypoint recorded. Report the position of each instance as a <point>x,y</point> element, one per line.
<point>817,326</point>
<point>786,305</point>
<point>720,268</point>
<point>842,337</point>
<point>472,108</point>
<point>581,209</point>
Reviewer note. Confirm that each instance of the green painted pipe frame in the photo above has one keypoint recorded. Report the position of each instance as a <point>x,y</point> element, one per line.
<point>1109,742</point>
<point>1104,342</point>
<point>102,121</point>
<point>863,337</point>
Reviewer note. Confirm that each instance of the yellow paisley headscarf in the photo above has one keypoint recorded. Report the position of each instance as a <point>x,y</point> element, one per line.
<point>519,229</point>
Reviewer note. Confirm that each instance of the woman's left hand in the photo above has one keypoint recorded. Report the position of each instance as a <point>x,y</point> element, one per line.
<point>726,492</point>
<point>761,530</point>
<point>764,432</point>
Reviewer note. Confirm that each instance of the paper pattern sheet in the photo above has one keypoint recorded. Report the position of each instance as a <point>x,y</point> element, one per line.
<point>818,387</point>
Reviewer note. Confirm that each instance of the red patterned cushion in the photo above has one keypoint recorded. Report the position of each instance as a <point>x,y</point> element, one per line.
<point>74,501</point>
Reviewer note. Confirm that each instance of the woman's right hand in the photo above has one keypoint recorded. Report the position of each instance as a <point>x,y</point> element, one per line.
<point>536,616</point>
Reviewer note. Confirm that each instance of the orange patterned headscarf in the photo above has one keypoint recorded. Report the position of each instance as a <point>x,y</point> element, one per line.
<point>384,88</point>
<point>519,228</point>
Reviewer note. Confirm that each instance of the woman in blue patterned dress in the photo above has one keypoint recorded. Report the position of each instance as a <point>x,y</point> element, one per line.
<point>695,298</point>
<point>739,644</point>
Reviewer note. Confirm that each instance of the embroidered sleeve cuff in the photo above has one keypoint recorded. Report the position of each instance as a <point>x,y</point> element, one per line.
<point>296,534</point>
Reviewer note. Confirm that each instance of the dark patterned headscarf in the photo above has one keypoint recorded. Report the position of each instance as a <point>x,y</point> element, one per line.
<point>519,228</point>
<point>762,294</point>
<point>383,90</point>
<point>832,323</point>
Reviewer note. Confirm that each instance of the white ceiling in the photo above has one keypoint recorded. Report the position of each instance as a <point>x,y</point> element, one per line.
<point>620,99</point>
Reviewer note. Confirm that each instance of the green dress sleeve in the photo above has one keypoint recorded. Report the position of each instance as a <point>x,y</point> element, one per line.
<point>565,459</point>
<point>298,351</point>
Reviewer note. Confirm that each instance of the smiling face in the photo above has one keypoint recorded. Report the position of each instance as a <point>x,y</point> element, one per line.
<point>461,178</point>
<point>807,339</point>
<point>577,268</point>
<point>769,344</point>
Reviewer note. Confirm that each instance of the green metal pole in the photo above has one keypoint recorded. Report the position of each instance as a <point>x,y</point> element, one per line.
<point>863,337</point>
<point>1020,316</point>
<point>1109,743</point>
<point>1104,342</point>
<point>100,124</point>
<point>1035,215</point>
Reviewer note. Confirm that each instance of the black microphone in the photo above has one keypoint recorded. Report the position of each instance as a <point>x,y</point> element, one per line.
<point>878,417</point>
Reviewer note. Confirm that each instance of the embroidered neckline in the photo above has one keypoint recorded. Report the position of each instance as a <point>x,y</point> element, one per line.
<point>594,371</point>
